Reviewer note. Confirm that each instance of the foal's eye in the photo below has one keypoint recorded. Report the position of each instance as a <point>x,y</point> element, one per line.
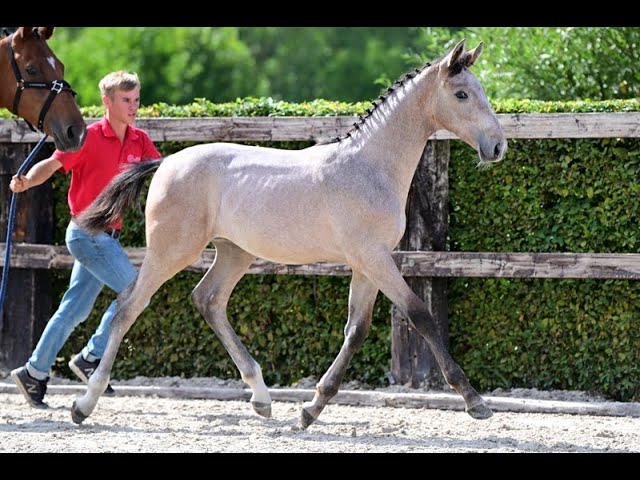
<point>461,95</point>
<point>31,70</point>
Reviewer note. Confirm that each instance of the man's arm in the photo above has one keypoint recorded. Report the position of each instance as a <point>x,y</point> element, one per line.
<point>37,175</point>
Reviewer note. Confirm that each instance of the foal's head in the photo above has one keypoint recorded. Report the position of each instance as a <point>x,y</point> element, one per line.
<point>460,105</point>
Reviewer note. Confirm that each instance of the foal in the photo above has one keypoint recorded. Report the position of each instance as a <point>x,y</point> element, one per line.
<point>341,202</point>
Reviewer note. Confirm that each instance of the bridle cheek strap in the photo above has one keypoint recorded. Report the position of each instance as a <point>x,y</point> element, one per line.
<point>54,87</point>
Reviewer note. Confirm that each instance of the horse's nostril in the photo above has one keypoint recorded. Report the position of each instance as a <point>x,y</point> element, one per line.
<point>76,132</point>
<point>74,136</point>
<point>497,149</point>
<point>73,132</point>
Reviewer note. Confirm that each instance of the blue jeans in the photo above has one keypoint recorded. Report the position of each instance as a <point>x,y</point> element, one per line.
<point>99,261</point>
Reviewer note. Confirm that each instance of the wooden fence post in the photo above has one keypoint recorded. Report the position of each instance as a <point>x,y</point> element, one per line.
<point>412,362</point>
<point>27,304</point>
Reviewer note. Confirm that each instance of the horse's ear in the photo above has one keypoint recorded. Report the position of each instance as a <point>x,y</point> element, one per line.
<point>24,32</point>
<point>46,32</point>
<point>473,55</point>
<point>455,54</point>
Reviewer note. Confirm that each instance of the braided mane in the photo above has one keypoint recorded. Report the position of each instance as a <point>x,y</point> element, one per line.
<point>460,65</point>
<point>379,101</point>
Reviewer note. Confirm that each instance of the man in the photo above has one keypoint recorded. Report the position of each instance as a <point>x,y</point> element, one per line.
<point>100,260</point>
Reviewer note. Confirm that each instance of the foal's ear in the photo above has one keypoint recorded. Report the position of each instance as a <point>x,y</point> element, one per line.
<point>455,55</point>
<point>472,55</point>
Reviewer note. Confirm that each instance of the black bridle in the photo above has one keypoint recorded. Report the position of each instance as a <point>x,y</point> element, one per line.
<point>54,87</point>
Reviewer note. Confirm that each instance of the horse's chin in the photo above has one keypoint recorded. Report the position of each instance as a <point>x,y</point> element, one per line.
<point>66,147</point>
<point>485,162</point>
<point>488,160</point>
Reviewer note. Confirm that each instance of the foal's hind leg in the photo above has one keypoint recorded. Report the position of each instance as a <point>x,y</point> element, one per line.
<point>130,303</point>
<point>168,252</point>
<point>362,296</point>
<point>211,296</point>
<point>382,270</point>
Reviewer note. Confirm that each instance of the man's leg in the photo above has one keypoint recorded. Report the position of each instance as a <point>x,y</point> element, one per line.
<point>74,308</point>
<point>109,263</point>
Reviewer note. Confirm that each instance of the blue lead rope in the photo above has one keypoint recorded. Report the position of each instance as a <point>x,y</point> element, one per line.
<point>7,251</point>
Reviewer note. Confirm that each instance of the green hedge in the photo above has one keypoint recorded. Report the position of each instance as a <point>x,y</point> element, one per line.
<point>546,196</point>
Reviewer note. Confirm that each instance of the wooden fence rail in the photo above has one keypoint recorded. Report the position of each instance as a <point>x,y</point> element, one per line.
<point>420,258</point>
<point>603,266</point>
<point>264,129</point>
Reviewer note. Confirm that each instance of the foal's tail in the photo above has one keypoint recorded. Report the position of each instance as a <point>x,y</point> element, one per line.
<point>114,200</point>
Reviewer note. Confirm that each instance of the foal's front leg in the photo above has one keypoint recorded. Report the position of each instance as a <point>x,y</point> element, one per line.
<point>362,296</point>
<point>383,271</point>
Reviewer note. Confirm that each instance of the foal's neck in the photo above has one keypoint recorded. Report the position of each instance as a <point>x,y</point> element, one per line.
<point>396,133</point>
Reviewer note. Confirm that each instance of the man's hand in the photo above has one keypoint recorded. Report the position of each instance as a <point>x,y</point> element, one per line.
<point>38,174</point>
<point>19,184</point>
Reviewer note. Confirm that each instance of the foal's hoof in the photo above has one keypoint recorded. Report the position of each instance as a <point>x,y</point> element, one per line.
<point>480,412</point>
<point>306,419</point>
<point>76,415</point>
<point>262,409</point>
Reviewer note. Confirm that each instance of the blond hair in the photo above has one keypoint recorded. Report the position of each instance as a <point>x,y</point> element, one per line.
<point>119,80</point>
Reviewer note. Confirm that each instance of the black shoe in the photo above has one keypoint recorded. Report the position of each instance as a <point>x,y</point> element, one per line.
<point>84,369</point>
<point>32,388</point>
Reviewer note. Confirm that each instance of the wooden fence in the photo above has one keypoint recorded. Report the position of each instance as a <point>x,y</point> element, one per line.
<point>420,256</point>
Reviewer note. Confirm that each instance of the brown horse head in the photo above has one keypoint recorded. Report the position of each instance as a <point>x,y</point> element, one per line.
<point>32,86</point>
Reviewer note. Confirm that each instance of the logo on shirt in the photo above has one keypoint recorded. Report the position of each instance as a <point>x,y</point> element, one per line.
<point>132,159</point>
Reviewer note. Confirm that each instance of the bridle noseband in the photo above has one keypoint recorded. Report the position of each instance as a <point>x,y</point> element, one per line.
<point>55,87</point>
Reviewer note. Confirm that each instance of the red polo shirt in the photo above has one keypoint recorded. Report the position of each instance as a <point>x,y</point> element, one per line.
<point>100,159</point>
